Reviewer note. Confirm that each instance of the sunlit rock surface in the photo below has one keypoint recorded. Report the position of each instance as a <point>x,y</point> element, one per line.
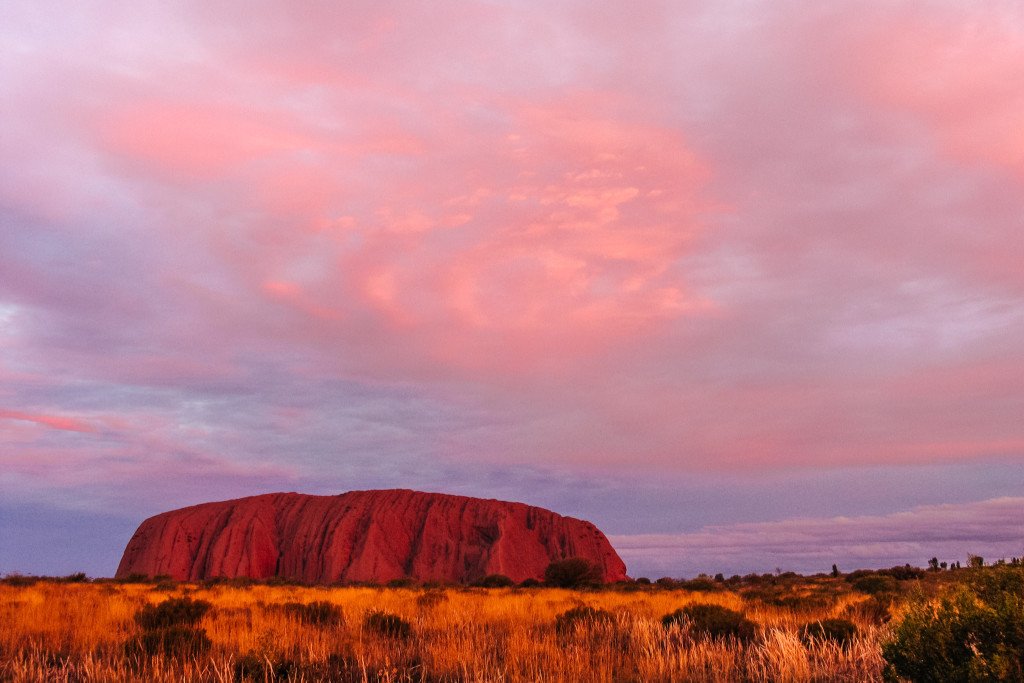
<point>363,536</point>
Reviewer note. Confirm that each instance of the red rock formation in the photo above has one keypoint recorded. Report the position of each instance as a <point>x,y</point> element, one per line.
<point>363,536</point>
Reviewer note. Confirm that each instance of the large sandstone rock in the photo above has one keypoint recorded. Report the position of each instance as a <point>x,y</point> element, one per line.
<point>363,536</point>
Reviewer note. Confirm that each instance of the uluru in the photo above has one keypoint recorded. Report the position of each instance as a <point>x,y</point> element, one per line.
<point>363,536</point>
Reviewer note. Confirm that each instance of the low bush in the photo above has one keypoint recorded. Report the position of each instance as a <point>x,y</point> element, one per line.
<point>577,617</point>
<point>314,613</point>
<point>875,609</point>
<point>701,584</point>
<point>712,621</point>
<point>802,603</point>
<point>841,631</point>
<point>494,581</point>
<point>19,580</point>
<point>904,573</point>
<point>254,667</point>
<point>973,633</point>
<point>575,572</point>
<point>240,582</point>
<point>173,641</point>
<point>172,612</point>
<point>875,584</point>
<point>431,598</point>
<point>170,628</point>
<point>135,578</point>
<point>627,586</point>
<point>283,581</point>
<point>388,625</point>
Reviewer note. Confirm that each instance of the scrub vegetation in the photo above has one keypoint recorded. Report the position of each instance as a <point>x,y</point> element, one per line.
<point>899,624</point>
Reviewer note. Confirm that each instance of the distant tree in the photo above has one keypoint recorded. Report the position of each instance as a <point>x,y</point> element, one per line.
<point>575,572</point>
<point>975,561</point>
<point>835,571</point>
<point>943,565</point>
<point>933,564</point>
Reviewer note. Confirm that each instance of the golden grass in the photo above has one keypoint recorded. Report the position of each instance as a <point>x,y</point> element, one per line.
<point>77,632</point>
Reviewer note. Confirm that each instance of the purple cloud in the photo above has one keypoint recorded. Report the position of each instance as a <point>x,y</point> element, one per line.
<point>246,247</point>
<point>950,532</point>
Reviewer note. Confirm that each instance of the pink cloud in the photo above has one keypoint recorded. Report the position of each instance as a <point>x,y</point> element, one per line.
<point>201,141</point>
<point>674,239</point>
<point>957,71</point>
<point>59,422</point>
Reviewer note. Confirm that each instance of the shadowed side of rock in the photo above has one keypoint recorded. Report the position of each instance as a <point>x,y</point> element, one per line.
<point>363,536</point>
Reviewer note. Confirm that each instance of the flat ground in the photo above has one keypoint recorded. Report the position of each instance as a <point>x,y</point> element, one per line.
<point>74,630</point>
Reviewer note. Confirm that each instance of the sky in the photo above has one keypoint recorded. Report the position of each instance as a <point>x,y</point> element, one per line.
<point>738,281</point>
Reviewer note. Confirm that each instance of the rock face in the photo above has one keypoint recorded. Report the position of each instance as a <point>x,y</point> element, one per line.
<point>363,536</point>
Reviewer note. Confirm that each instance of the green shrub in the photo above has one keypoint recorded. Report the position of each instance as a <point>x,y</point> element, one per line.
<point>314,613</point>
<point>388,625</point>
<point>172,612</point>
<point>974,633</point>
<point>841,631</point>
<point>712,621</point>
<point>568,621</point>
<point>575,572</point>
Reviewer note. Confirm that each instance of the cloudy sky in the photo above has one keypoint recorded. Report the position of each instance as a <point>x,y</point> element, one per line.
<point>740,282</point>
